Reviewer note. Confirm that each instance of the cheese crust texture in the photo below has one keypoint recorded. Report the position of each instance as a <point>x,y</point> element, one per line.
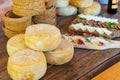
<point>27,64</point>
<point>15,44</point>
<point>42,37</point>
<point>61,55</point>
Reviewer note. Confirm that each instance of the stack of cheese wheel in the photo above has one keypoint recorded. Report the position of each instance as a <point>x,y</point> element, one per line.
<point>19,18</point>
<point>90,7</point>
<point>49,16</point>
<point>64,9</point>
<point>28,7</point>
<point>27,61</point>
<point>14,24</point>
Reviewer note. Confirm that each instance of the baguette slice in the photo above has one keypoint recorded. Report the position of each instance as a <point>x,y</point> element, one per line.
<point>96,43</point>
<point>96,25</point>
<point>80,28</point>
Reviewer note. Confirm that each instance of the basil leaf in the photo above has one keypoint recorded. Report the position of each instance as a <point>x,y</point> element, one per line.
<point>111,23</point>
<point>82,18</point>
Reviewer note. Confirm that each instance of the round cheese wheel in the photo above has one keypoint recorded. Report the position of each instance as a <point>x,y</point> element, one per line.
<point>91,10</point>
<point>42,37</point>
<point>67,11</point>
<point>62,3</point>
<point>61,55</point>
<point>27,64</point>
<point>81,3</point>
<point>15,44</point>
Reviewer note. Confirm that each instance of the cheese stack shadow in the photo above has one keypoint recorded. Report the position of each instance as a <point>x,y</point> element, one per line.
<point>49,16</point>
<point>28,52</point>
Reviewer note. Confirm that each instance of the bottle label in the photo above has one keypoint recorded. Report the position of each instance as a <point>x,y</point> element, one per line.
<point>114,1</point>
<point>114,6</point>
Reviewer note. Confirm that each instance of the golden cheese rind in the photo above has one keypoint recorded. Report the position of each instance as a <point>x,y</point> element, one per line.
<point>27,64</point>
<point>92,10</point>
<point>42,37</point>
<point>15,44</point>
<point>61,55</point>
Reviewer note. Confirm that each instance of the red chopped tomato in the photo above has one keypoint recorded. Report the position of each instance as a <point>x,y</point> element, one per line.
<point>101,43</point>
<point>70,34</point>
<point>80,41</point>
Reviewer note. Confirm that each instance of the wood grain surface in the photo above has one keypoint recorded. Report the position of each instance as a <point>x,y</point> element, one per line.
<point>85,64</point>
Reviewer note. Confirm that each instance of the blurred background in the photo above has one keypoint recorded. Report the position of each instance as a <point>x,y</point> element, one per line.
<point>6,5</point>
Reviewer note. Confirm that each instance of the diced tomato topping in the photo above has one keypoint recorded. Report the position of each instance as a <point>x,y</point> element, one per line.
<point>80,41</point>
<point>118,27</point>
<point>70,34</point>
<point>101,43</point>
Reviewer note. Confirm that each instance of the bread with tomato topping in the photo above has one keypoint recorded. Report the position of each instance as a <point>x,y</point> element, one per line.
<point>91,42</point>
<point>95,25</point>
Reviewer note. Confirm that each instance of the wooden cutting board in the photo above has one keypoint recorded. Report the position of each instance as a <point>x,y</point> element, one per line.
<point>112,73</point>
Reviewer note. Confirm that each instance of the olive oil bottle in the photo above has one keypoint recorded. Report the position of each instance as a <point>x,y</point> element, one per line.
<point>112,6</point>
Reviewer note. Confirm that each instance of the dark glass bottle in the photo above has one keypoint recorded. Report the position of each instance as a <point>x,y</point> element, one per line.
<point>112,6</point>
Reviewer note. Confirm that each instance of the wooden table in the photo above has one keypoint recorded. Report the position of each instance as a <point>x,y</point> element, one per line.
<point>85,65</point>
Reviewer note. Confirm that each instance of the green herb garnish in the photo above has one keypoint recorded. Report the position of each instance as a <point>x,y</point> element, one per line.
<point>111,23</point>
<point>86,38</point>
<point>81,18</point>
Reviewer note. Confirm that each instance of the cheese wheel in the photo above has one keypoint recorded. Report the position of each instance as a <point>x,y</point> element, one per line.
<point>62,3</point>
<point>62,54</point>
<point>67,11</point>
<point>27,64</point>
<point>81,3</point>
<point>15,44</point>
<point>42,37</point>
<point>91,10</point>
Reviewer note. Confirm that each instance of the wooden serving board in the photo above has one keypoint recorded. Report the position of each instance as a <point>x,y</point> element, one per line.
<point>84,65</point>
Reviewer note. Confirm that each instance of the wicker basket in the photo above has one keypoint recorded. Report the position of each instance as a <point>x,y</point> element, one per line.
<point>8,33</point>
<point>49,17</point>
<point>16,23</point>
<point>28,7</point>
<point>50,3</point>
